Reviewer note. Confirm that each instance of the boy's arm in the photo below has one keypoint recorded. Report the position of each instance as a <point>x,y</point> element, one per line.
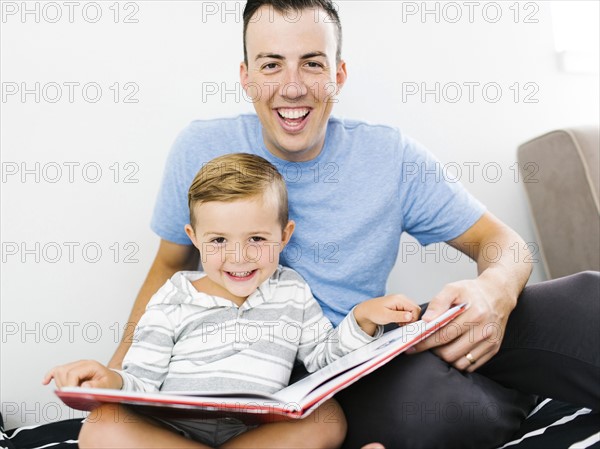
<point>170,258</point>
<point>321,344</point>
<point>397,309</point>
<point>146,364</point>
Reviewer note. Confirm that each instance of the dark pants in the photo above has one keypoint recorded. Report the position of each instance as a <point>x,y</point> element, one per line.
<point>551,348</point>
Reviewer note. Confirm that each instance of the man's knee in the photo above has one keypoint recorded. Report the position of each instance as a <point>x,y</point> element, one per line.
<point>421,401</point>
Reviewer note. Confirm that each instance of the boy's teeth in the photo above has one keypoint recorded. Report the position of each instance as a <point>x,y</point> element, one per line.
<point>293,113</point>
<point>240,274</point>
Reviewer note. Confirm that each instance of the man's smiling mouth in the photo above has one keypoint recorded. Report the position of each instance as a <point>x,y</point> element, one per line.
<point>293,119</point>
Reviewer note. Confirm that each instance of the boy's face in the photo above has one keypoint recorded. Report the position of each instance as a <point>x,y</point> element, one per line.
<point>239,243</point>
<point>292,78</point>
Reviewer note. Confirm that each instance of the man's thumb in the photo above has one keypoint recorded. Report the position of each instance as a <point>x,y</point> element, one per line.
<point>438,305</point>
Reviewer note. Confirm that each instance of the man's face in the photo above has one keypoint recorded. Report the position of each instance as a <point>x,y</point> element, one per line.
<point>292,78</point>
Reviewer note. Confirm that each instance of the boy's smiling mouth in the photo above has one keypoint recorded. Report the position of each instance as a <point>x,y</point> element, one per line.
<point>240,275</point>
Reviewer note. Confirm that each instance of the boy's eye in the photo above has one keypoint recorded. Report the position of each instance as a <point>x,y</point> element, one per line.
<point>218,240</point>
<point>256,239</point>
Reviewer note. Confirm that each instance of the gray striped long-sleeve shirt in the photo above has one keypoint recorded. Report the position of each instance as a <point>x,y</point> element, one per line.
<point>191,341</point>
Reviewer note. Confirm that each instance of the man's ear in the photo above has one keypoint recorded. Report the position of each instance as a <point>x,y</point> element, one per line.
<point>191,234</point>
<point>287,232</point>
<point>341,75</point>
<point>243,74</point>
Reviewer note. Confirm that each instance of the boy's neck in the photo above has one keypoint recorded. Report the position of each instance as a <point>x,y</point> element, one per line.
<point>205,285</point>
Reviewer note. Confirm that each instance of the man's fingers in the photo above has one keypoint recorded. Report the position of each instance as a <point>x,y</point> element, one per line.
<point>440,303</point>
<point>373,446</point>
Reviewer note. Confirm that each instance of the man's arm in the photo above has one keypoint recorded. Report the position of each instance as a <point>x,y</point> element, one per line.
<point>170,258</point>
<point>503,270</point>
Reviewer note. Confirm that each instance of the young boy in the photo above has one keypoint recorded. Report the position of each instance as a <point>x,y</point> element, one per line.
<point>239,325</point>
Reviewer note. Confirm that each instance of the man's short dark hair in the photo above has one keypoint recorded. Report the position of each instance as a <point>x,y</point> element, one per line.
<point>284,6</point>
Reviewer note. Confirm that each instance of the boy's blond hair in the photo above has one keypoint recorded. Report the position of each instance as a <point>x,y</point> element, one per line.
<point>238,176</point>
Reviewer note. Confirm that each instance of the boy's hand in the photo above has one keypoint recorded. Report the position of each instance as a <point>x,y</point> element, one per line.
<point>84,373</point>
<point>384,310</point>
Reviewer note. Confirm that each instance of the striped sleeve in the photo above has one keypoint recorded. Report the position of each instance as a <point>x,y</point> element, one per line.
<point>146,364</point>
<point>321,343</point>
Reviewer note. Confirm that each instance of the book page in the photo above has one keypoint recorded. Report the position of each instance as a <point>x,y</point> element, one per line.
<point>341,371</point>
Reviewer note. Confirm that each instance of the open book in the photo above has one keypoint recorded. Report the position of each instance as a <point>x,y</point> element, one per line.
<point>295,401</point>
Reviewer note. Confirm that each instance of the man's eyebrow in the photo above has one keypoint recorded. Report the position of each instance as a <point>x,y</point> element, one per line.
<point>312,54</point>
<point>269,55</point>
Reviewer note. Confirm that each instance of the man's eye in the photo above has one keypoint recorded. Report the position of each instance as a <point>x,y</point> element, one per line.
<point>314,65</point>
<point>270,66</point>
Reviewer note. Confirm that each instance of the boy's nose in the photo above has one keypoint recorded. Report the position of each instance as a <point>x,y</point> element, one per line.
<point>233,252</point>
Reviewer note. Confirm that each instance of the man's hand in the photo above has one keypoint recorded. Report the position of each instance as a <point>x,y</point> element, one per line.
<point>384,310</point>
<point>476,335</point>
<point>477,332</point>
<point>84,373</point>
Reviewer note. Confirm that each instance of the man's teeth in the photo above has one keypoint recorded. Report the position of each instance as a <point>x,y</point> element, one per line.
<point>293,113</point>
<point>240,274</point>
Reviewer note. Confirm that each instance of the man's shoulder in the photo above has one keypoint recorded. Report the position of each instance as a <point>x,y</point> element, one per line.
<point>361,126</point>
<point>218,136</point>
<point>224,128</point>
<point>238,121</point>
<point>362,138</point>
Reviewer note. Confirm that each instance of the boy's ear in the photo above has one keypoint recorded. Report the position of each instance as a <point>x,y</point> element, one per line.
<point>191,234</point>
<point>287,232</point>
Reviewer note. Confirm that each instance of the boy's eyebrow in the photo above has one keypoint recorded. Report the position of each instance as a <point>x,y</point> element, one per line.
<point>312,54</point>
<point>247,233</point>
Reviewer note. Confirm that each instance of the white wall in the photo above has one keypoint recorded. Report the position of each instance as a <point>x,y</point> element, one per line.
<point>64,306</point>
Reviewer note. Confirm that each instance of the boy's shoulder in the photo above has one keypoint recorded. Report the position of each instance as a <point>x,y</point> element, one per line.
<point>283,284</point>
<point>286,274</point>
<point>177,290</point>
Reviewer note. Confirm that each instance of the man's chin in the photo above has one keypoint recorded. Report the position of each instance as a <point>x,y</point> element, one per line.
<point>296,149</point>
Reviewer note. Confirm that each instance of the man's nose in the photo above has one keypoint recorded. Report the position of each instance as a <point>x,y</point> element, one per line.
<point>293,86</point>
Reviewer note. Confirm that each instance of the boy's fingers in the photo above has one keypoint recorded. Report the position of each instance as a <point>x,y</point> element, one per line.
<point>399,316</point>
<point>48,377</point>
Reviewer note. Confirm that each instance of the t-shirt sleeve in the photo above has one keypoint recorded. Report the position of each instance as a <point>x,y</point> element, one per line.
<point>171,212</point>
<point>436,208</point>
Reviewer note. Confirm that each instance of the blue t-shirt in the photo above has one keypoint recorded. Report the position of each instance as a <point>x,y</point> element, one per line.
<point>351,203</point>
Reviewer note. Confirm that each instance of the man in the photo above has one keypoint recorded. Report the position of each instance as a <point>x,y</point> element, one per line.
<point>292,70</point>
<point>451,393</point>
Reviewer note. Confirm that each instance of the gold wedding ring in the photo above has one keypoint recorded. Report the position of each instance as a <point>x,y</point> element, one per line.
<point>470,358</point>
